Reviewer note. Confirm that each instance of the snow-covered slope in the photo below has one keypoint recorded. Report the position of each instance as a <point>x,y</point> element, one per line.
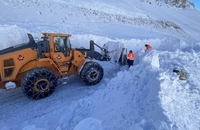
<point>174,3</point>
<point>146,96</point>
<point>90,16</point>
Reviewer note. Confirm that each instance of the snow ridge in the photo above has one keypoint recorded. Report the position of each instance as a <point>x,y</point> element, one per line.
<point>174,3</point>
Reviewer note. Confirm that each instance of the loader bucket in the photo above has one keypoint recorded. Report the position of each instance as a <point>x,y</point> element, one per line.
<point>117,52</point>
<point>114,52</point>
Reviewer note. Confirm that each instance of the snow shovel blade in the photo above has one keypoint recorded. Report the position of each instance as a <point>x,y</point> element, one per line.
<point>117,52</point>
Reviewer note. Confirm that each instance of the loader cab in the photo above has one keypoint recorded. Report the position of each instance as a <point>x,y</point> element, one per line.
<point>62,44</point>
<point>58,43</point>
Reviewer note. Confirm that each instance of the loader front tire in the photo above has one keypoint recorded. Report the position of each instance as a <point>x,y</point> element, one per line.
<point>92,73</point>
<point>39,83</point>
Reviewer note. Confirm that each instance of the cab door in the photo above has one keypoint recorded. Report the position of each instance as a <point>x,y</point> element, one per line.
<point>62,53</point>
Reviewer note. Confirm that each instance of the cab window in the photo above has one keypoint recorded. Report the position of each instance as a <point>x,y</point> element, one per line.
<point>62,44</point>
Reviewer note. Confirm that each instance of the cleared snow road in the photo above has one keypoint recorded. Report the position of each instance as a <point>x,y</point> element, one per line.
<point>14,104</point>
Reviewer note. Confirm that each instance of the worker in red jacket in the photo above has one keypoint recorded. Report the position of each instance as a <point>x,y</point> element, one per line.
<point>148,47</point>
<point>130,58</point>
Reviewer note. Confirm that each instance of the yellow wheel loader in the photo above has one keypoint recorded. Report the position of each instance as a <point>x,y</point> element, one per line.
<point>37,66</point>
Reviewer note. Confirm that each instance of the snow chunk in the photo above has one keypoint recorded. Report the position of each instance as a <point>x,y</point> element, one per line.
<point>10,85</point>
<point>12,35</point>
<point>152,58</point>
<point>32,127</point>
<point>89,124</point>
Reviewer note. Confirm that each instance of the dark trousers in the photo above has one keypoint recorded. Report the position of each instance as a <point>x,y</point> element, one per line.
<point>130,62</point>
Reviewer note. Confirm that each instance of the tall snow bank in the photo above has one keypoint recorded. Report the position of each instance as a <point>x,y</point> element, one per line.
<point>180,99</point>
<point>12,35</point>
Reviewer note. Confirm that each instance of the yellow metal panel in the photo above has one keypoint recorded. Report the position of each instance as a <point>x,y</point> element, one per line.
<point>20,58</point>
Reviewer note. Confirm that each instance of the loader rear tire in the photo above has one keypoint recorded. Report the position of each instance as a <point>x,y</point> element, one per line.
<point>92,73</point>
<point>39,83</point>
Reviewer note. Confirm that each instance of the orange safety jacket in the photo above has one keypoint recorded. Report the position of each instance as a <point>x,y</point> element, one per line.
<point>131,56</point>
<point>148,47</point>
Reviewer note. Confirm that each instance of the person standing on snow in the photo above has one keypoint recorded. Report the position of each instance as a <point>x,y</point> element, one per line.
<point>148,47</point>
<point>130,58</point>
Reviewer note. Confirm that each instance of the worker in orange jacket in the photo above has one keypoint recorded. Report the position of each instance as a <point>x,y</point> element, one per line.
<point>130,58</point>
<point>148,47</point>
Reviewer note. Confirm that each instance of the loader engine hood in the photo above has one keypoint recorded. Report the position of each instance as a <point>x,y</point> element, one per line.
<point>30,44</point>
